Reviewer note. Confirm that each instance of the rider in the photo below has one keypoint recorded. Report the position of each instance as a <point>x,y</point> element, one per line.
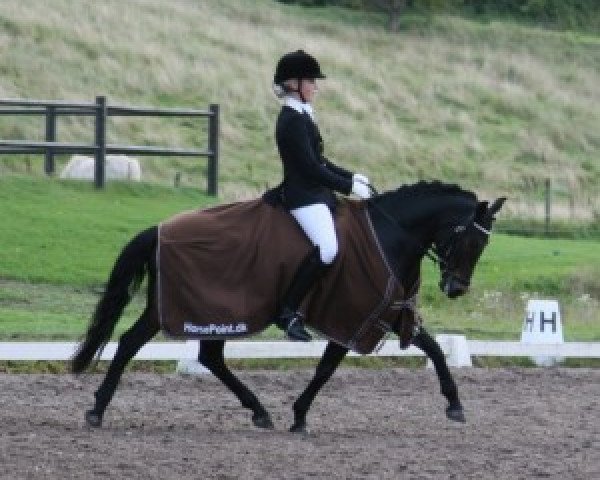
<point>309,180</point>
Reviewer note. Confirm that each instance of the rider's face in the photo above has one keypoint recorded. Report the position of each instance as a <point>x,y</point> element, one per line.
<point>308,87</point>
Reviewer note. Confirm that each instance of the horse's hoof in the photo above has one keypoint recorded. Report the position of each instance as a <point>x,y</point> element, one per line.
<point>456,414</point>
<point>263,421</point>
<point>93,419</point>
<point>298,428</point>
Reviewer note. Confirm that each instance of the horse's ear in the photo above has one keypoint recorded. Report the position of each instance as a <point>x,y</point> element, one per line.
<point>496,206</point>
<point>482,210</point>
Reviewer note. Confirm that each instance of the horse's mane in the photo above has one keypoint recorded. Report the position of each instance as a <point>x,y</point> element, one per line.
<point>424,188</point>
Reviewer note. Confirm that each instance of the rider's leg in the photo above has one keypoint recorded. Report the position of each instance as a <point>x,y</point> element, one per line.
<point>317,223</point>
<point>289,319</point>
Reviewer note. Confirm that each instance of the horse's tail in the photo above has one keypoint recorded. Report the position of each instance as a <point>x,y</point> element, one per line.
<point>125,279</point>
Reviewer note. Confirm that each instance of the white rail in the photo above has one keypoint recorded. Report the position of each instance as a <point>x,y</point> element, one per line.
<point>457,349</point>
<point>186,350</point>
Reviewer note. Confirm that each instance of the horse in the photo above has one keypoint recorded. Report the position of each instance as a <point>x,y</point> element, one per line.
<point>433,219</point>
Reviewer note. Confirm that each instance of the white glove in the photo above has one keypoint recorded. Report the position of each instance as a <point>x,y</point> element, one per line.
<point>360,178</point>
<point>361,189</point>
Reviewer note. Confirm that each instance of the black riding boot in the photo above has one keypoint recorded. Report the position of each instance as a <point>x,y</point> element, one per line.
<point>289,319</point>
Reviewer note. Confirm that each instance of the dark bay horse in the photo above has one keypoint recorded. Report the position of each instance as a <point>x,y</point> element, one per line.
<point>443,221</point>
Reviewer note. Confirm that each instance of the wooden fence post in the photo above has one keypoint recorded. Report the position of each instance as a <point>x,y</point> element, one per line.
<point>547,195</point>
<point>100,142</point>
<point>50,137</point>
<point>213,148</point>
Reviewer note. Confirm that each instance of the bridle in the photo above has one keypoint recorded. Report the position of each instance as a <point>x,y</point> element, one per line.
<point>441,258</point>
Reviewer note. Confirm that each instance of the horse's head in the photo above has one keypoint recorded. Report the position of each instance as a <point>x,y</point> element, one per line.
<point>459,245</point>
<point>440,220</point>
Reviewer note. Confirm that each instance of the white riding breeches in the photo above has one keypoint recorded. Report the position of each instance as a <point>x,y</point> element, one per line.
<point>317,222</point>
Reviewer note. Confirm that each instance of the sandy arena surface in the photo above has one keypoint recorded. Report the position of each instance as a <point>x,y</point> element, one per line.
<point>366,424</point>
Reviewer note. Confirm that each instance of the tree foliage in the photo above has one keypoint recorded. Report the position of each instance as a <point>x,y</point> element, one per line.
<point>555,13</point>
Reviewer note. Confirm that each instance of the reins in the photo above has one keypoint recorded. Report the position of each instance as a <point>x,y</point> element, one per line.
<point>429,252</point>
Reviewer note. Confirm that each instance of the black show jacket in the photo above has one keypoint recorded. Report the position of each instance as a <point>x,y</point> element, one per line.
<point>308,177</point>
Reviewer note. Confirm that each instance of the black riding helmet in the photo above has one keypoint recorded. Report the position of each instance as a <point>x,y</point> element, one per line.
<point>298,64</point>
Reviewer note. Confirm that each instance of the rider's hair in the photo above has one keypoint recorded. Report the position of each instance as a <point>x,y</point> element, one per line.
<point>283,88</point>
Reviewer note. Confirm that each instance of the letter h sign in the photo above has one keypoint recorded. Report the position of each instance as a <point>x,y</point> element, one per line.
<point>530,321</point>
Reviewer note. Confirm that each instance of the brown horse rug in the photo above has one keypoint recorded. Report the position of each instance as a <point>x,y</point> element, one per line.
<point>222,270</point>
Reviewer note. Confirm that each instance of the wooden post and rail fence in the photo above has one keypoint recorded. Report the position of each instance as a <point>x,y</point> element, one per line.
<point>101,110</point>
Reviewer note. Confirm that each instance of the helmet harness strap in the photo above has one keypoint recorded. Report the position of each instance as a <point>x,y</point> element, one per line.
<point>300,90</point>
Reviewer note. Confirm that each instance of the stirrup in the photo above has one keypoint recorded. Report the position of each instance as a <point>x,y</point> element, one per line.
<point>292,323</point>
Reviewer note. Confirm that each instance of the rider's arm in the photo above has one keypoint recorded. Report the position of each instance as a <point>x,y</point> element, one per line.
<point>337,169</point>
<point>294,142</point>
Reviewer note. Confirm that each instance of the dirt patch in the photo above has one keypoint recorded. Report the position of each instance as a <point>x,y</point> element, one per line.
<point>366,424</point>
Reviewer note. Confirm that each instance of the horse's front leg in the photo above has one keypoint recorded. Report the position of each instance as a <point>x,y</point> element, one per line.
<point>432,349</point>
<point>211,356</point>
<point>330,360</point>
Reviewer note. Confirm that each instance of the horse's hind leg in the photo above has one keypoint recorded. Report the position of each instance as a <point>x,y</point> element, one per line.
<point>330,360</point>
<point>211,356</point>
<point>432,349</point>
<point>129,344</point>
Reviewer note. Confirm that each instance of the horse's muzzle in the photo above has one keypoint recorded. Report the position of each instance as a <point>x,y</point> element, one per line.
<point>453,286</point>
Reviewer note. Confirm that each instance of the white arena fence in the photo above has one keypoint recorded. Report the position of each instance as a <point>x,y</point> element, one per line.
<point>457,349</point>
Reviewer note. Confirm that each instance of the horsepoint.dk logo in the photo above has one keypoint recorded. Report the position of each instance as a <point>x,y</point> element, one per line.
<point>214,329</point>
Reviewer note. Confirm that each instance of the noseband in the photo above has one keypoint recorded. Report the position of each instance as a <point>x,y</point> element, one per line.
<point>442,257</point>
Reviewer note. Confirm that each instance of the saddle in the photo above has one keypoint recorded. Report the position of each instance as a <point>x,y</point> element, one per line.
<point>222,270</point>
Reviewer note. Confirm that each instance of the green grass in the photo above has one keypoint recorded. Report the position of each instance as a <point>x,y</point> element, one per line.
<point>69,232</point>
<point>512,271</point>
<point>61,239</point>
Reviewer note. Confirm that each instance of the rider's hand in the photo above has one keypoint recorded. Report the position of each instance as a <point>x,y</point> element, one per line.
<point>361,189</point>
<point>361,178</point>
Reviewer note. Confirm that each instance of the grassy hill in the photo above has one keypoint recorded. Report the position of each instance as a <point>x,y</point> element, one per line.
<point>496,106</point>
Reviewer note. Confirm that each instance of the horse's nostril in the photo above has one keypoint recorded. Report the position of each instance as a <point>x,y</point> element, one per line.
<point>453,293</point>
<point>453,288</point>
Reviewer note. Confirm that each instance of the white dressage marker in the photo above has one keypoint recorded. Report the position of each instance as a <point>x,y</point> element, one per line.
<point>542,324</point>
